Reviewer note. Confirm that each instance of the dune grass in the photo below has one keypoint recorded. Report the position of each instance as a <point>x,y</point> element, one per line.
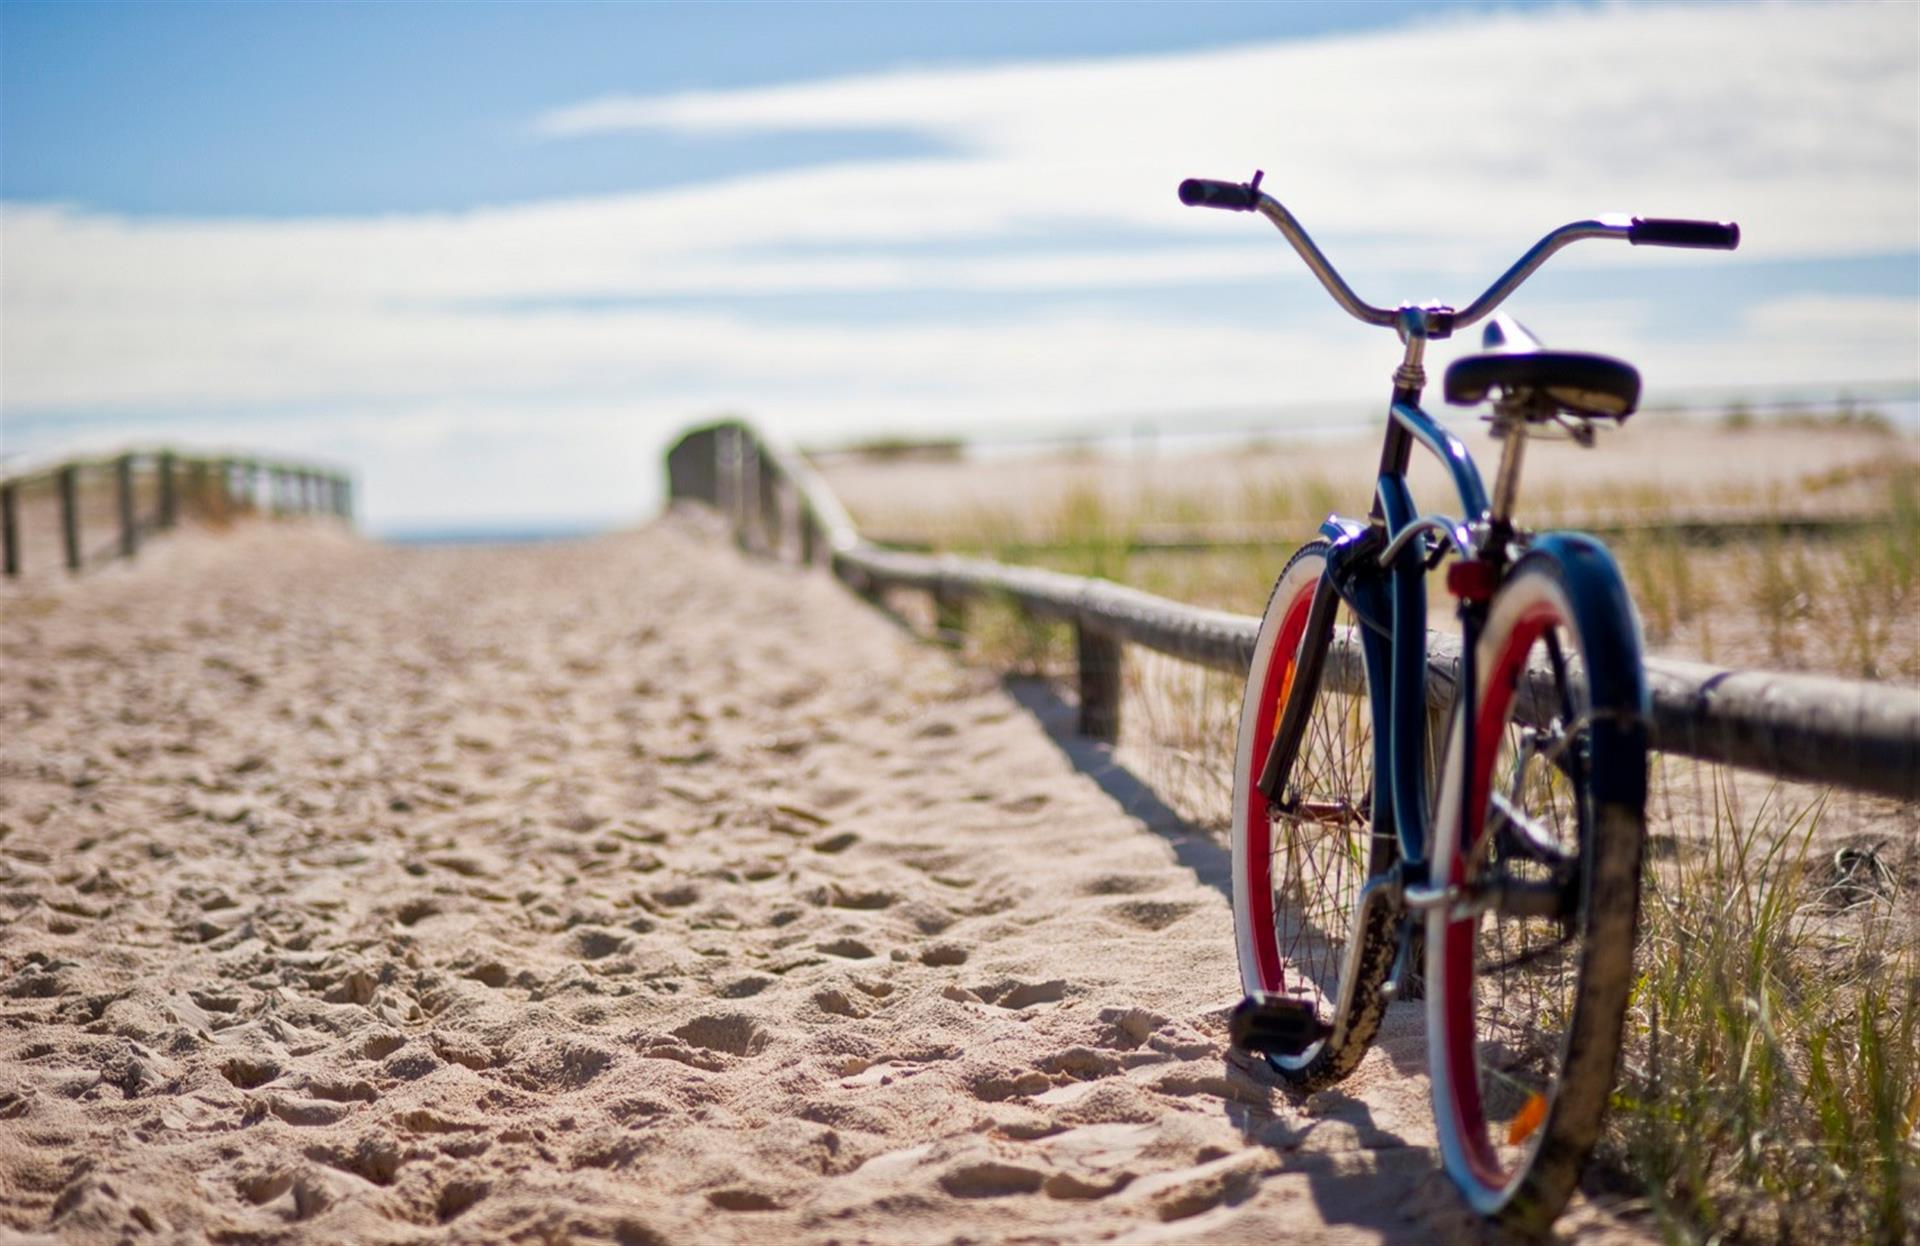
<point>1772,1064</point>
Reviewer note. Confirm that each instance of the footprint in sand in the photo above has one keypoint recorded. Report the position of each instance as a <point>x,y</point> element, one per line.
<point>458,1197</point>
<point>249,1072</point>
<point>735,1033</point>
<point>598,943</point>
<point>1014,994</point>
<point>1150,914</point>
<point>991,1179</point>
<point>866,899</point>
<point>943,954</point>
<point>741,988</point>
<point>374,1159</point>
<point>741,1198</point>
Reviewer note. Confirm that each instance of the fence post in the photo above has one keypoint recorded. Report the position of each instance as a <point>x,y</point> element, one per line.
<point>747,528</point>
<point>1099,660</point>
<point>123,488</point>
<point>197,488</point>
<point>169,502</point>
<point>950,618</point>
<point>809,535</point>
<point>10,528</point>
<point>70,514</point>
<point>726,471</point>
<point>772,520</point>
<point>223,489</point>
<point>692,467</point>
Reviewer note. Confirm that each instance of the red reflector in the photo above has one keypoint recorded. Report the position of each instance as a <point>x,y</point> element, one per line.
<point>1470,579</point>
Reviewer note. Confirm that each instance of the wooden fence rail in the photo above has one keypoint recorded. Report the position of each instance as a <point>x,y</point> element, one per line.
<point>1846,733</point>
<point>181,485</point>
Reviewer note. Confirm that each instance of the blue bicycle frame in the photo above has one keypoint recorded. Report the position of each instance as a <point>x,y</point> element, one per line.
<point>1388,596</point>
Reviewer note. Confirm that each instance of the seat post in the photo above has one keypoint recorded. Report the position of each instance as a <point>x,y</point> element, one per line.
<point>1510,423</point>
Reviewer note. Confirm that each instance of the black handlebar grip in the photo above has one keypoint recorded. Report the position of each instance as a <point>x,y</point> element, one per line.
<point>1711,235</point>
<point>1202,192</point>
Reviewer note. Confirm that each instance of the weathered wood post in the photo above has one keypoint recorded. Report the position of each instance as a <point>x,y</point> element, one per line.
<point>223,489</point>
<point>169,502</point>
<point>950,618</point>
<point>693,468</point>
<point>197,488</point>
<point>123,490</point>
<point>809,535</point>
<point>10,527</point>
<point>770,507</point>
<point>1099,659</point>
<point>70,514</point>
<point>726,471</point>
<point>746,527</point>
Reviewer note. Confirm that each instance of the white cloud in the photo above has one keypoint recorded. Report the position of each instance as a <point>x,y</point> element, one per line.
<point>1802,122</point>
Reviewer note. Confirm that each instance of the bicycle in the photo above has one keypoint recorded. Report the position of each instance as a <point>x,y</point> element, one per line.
<point>1508,894</point>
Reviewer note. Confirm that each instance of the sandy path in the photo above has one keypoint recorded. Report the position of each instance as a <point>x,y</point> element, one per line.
<point>625,892</point>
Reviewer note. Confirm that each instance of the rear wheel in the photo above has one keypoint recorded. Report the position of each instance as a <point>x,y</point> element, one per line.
<point>1299,863</point>
<point>1540,833</point>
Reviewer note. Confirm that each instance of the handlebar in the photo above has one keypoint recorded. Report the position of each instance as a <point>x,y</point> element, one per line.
<point>1639,231</point>
<point>1708,235</point>
<point>1205,192</point>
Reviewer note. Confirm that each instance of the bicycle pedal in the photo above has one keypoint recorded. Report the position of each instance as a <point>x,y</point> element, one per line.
<point>1275,1025</point>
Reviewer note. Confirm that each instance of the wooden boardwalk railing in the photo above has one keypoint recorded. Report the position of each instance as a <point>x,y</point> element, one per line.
<point>173,485</point>
<point>1846,733</point>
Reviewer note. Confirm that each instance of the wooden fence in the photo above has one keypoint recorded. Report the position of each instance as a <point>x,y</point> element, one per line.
<point>1846,733</point>
<point>135,494</point>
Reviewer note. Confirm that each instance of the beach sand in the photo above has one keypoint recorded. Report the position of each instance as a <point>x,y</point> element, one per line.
<point>620,891</point>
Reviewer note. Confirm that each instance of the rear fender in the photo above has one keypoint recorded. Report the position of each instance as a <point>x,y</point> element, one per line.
<point>1617,680</point>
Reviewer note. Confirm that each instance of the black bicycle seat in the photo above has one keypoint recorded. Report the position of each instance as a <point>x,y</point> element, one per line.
<point>1593,386</point>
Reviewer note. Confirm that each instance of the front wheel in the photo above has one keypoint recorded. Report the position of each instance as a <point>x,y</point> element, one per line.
<point>1300,863</point>
<point>1538,833</point>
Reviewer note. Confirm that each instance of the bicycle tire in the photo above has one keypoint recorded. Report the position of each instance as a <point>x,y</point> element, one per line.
<point>1296,880</point>
<point>1524,1013</point>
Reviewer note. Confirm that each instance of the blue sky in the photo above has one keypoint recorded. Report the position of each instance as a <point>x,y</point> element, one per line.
<point>295,110</point>
<point>493,256</point>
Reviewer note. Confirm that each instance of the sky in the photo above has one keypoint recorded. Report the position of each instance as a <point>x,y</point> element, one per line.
<point>493,258</point>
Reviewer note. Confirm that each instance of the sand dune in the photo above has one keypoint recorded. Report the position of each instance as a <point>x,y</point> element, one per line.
<point>624,892</point>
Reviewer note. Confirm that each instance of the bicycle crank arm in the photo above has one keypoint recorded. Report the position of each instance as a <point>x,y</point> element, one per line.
<point>1547,899</point>
<point>1275,1025</point>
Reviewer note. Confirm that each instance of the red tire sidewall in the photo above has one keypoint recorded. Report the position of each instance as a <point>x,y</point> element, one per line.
<point>1275,652</point>
<point>1523,612</point>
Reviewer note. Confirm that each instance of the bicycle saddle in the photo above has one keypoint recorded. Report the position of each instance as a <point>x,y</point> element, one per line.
<point>1512,360</point>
